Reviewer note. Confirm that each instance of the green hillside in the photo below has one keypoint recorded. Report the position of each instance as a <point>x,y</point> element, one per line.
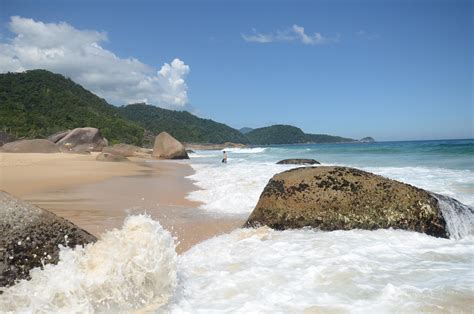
<point>324,138</point>
<point>276,134</point>
<point>182,125</point>
<point>38,103</point>
<point>288,134</point>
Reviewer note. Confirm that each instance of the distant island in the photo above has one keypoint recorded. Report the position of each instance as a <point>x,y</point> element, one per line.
<point>38,103</point>
<point>367,140</point>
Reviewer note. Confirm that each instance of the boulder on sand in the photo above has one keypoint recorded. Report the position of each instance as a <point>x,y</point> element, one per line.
<point>340,198</point>
<point>82,139</point>
<point>30,146</point>
<point>30,236</point>
<point>56,137</point>
<point>298,161</point>
<point>126,150</point>
<point>110,157</point>
<point>167,147</point>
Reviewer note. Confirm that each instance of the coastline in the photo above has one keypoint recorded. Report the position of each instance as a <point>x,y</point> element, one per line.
<point>97,196</point>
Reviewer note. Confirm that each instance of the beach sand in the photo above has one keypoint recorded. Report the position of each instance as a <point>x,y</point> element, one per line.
<point>97,196</point>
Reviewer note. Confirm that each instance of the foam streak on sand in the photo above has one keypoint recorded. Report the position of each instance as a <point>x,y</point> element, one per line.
<point>126,269</point>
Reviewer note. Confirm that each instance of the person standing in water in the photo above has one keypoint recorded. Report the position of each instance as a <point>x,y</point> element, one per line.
<point>224,160</point>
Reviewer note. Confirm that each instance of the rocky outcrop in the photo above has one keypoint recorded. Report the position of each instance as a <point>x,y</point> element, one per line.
<point>167,147</point>
<point>111,157</point>
<point>298,161</point>
<point>340,198</point>
<point>56,137</point>
<point>82,139</point>
<point>30,146</point>
<point>126,150</point>
<point>30,236</point>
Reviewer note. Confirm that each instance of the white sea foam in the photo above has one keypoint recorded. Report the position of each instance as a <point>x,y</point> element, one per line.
<point>126,269</point>
<point>233,188</point>
<point>236,187</point>
<point>448,182</point>
<point>253,150</point>
<point>304,271</point>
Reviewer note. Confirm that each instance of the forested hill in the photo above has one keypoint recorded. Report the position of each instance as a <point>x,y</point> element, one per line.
<point>38,103</point>
<point>183,125</point>
<point>288,134</point>
<point>276,134</point>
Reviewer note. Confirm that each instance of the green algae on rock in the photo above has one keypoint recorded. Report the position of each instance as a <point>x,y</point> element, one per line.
<point>341,198</point>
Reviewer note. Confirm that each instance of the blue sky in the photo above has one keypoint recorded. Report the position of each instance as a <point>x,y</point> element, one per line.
<point>393,70</point>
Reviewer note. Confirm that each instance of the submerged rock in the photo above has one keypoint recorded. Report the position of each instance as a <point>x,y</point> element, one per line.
<point>340,198</point>
<point>110,157</point>
<point>30,236</point>
<point>30,146</point>
<point>82,139</point>
<point>298,161</point>
<point>167,147</point>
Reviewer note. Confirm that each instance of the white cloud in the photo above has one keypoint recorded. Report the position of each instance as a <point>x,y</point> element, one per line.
<point>78,54</point>
<point>295,33</point>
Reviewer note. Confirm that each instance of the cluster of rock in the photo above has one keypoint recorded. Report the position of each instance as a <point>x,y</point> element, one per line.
<point>341,198</point>
<point>86,140</point>
<point>79,140</point>
<point>30,237</point>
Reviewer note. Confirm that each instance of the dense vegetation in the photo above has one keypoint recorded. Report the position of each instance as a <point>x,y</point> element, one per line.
<point>245,130</point>
<point>287,134</point>
<point>182,125</point>
<point>276,134</point>
<point>38,103</point>
<point>324,138</point>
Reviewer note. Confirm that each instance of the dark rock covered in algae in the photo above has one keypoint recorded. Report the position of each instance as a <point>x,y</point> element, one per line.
<point>30,237</point>
<point>340,198</point>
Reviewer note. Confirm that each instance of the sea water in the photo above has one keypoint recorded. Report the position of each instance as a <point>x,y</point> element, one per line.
<point>263,270</point>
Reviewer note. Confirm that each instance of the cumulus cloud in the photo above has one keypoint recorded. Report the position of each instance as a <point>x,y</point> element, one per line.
<point>78,54</point>
<point>294,33</point>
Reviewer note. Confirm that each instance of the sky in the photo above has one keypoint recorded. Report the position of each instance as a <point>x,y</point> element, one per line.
<point>393,70</point>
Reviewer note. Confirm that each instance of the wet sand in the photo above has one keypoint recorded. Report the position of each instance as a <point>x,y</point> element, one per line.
<point>97,196</point>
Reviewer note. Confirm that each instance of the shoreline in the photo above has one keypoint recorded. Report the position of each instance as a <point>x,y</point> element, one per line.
<point>97,196</point>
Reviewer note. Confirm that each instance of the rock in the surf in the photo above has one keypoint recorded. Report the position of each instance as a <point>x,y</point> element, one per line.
<point>30,237</point>
<point>111,157</point>
<point>340,198</point>
<point>167,147</point>
<point>298,161</point>
<point>82,140</point>
<point>30,146</point>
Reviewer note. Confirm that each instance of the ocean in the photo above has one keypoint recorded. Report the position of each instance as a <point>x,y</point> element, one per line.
<point>264,270</point>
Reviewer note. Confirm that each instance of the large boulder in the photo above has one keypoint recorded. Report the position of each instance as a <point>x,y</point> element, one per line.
<point>56,137</point>
<point>82,139</point>
<point>30,237</point>
<point>30,146</point>
<point>110,157</point>
<point>298,161</point>
<point>167,147</point>
<point>126,150</point>
<point>340,198</point>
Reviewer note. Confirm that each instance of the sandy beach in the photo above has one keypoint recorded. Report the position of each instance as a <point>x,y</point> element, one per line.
<point>97,196</point>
